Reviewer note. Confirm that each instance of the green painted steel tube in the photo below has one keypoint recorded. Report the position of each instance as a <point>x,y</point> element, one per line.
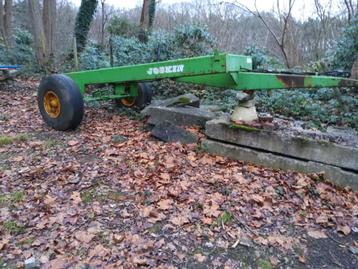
<point>218,70</point>
<point>266,81</point>
<point>213,64</point>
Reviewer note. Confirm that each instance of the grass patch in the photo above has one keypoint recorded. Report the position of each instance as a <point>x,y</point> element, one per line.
<point>51,143</point>
<point>103,237</point>
<point>225,218</point>
<point>264,264</point>
<point>22,137</point>
<point>17,197</point>
<point>13,228</point>
<point>88,196</point>
<point>81,252</point>
<point>12,199</point>
<point>3,264</point>
<point>102,194</point>
<point>7,140</point>
<point>26,242</point>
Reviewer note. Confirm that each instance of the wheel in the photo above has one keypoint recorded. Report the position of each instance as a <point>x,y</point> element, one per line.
<point>144,97</point>
<point>60,102</point>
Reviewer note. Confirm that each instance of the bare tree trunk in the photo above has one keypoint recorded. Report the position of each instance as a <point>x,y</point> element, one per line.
<point>351,10</point>
<point>144,18</point>
<point>2,11</point>
<point>147,18</point>
<point>38,33</point>
<point>5,21</point>
<point>49,25</point>
<point>103,21</point>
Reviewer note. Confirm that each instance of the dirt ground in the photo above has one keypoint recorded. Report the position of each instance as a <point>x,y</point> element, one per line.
<point>108,195</point>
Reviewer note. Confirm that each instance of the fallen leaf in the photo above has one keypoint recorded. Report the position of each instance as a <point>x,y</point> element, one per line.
<point>98,251</point>
<point>58,263</point>
<point>322,219</point>
<point>317,234</point>
<point>274,261</point>
<point>179,220</point>
<point>3,243</point>
<point>165,176</point>
<point>49,200</point>
<point>302,259</point>
<point>76,197</point>
<point>165,204</point>
<point>199,257</point>
<point>72,143</point>
<point>84,236</point>
<point>117,238</point>
<point>344,229</point>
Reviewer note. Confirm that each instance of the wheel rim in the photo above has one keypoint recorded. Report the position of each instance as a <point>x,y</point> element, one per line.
<point>128,101</point>
<point>52,104</point>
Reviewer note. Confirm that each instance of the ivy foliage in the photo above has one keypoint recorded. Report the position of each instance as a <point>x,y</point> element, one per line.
<point>347,47</point>
<point>83,22</point>
<point>319,107</point>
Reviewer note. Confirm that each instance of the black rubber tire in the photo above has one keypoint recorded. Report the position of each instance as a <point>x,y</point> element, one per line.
<point>71,100</point>
<point>144,97</point>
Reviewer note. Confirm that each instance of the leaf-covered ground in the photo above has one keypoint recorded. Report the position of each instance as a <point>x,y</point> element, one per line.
<point>109,196</point>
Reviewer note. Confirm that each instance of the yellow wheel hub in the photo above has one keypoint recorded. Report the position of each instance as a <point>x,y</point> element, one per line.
<point>52,104</point>
<point>128,102</point>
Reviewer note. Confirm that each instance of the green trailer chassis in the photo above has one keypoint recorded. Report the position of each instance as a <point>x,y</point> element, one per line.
<point>218,70</point>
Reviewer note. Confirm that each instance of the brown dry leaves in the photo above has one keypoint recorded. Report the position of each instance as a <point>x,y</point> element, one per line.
<point>140,202</point>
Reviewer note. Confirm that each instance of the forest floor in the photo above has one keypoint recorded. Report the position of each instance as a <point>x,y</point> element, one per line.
<point>108,195</point>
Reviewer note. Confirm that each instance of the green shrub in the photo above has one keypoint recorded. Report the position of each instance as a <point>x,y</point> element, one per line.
<point>128,51</point>
<point>347,47</point>
<point>93,57</point>
<point>120,26</point>
<point>21,52</point>
<point>319,107</point>
<point>261,59</point>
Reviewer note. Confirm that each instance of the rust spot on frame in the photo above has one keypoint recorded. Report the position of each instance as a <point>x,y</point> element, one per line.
<point>348,83</point>
<point>291,81</point>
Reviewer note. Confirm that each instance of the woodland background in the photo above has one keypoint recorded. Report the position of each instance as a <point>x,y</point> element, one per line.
<point>56,36</point>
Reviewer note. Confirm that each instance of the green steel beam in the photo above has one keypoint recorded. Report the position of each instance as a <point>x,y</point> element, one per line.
<point>213,64</point>
<point>266,81</point>
<point>218,70</point>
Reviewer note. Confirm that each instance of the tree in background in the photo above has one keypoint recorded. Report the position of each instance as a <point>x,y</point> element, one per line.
<point>83,22</point>
<point>352,9</point>
<point>284,19</point>
<point>147,18</point>
<point>49,15</point>
<point>43,30</point>
<point>5,21</point>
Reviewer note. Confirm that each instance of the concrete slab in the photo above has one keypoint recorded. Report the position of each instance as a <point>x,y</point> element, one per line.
<point>296,147</point>
<point>182,116</point>
<point>333,174</point>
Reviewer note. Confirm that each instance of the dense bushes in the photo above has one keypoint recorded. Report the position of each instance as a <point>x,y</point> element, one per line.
<point>347,47</point>
<point>261,59</point>
<point>93,57</point>
<point>21,51</point>
<point>126,49</point>
<point>318,107</point>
